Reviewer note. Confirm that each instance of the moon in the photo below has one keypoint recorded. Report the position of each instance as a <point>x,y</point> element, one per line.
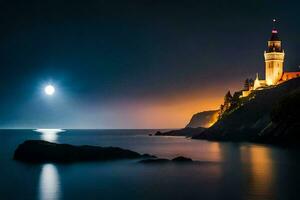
<point>49,90</point>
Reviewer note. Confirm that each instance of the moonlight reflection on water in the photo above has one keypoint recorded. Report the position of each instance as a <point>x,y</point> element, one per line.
<point>49,135</point>
<point>49,186</point>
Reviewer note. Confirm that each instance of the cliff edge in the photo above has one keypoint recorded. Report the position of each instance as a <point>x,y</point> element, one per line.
<point>203,119</point>
<point>270,116</point>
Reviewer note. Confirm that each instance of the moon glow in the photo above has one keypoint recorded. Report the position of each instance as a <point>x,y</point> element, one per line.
<point>49,90</point>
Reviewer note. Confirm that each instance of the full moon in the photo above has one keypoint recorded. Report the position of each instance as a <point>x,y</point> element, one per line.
<point>49,90</point>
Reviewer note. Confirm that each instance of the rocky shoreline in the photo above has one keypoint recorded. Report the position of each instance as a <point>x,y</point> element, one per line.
<point>186,132</point>
<point>269,116</point>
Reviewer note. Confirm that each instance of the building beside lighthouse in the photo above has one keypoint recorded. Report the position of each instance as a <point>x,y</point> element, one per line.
<point>274,67</point>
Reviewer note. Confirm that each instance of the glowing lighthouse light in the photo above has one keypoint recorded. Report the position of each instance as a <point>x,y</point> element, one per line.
<point>274,26</point>
<point>49,90</point>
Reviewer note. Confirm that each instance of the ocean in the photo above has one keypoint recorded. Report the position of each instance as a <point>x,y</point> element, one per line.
<point>225,171</point>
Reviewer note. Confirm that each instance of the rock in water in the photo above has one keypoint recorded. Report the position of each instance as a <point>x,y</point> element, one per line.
<point>182,159</point>
<point>187,132</point>
<point>155,161</point>
<point>176,160</point>
<point>42,151</point>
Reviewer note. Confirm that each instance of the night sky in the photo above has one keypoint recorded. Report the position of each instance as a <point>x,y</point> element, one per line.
<point>132,64</point>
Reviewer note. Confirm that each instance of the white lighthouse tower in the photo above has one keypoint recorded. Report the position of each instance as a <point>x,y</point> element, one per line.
<point>274,59</point>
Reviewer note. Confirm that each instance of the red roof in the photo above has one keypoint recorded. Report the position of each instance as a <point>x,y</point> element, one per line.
<point>290,75</point>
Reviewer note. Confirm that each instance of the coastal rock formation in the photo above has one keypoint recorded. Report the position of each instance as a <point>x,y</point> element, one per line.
<point>179,159</point>
<point>42,151</point>
<point>203,119</point>
<point>182,159</point>
<point>285,122</point>
<point>270,115</point>
<point>199,122</point>
<point>187,132</point>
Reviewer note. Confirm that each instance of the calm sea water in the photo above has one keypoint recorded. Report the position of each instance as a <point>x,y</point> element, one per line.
<point>227,170</point>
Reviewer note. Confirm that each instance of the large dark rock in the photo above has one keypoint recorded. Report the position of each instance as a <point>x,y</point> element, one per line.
<point>42,151</point>
<point>182,159</point>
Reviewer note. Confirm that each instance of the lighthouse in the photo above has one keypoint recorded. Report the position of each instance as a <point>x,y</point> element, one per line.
<point>274,59</point>
<point>274,72</point>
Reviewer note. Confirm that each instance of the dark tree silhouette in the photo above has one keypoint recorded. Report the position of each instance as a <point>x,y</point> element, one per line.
<point>246,85</point>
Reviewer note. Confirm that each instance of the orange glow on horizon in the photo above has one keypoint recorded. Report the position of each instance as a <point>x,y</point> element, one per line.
<point>169,112</point>
<point>176,113</point>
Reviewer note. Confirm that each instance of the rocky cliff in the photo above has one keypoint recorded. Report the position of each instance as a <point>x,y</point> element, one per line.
<point>270,115</point>
<point>203,119</point>
<point>199,122</point>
